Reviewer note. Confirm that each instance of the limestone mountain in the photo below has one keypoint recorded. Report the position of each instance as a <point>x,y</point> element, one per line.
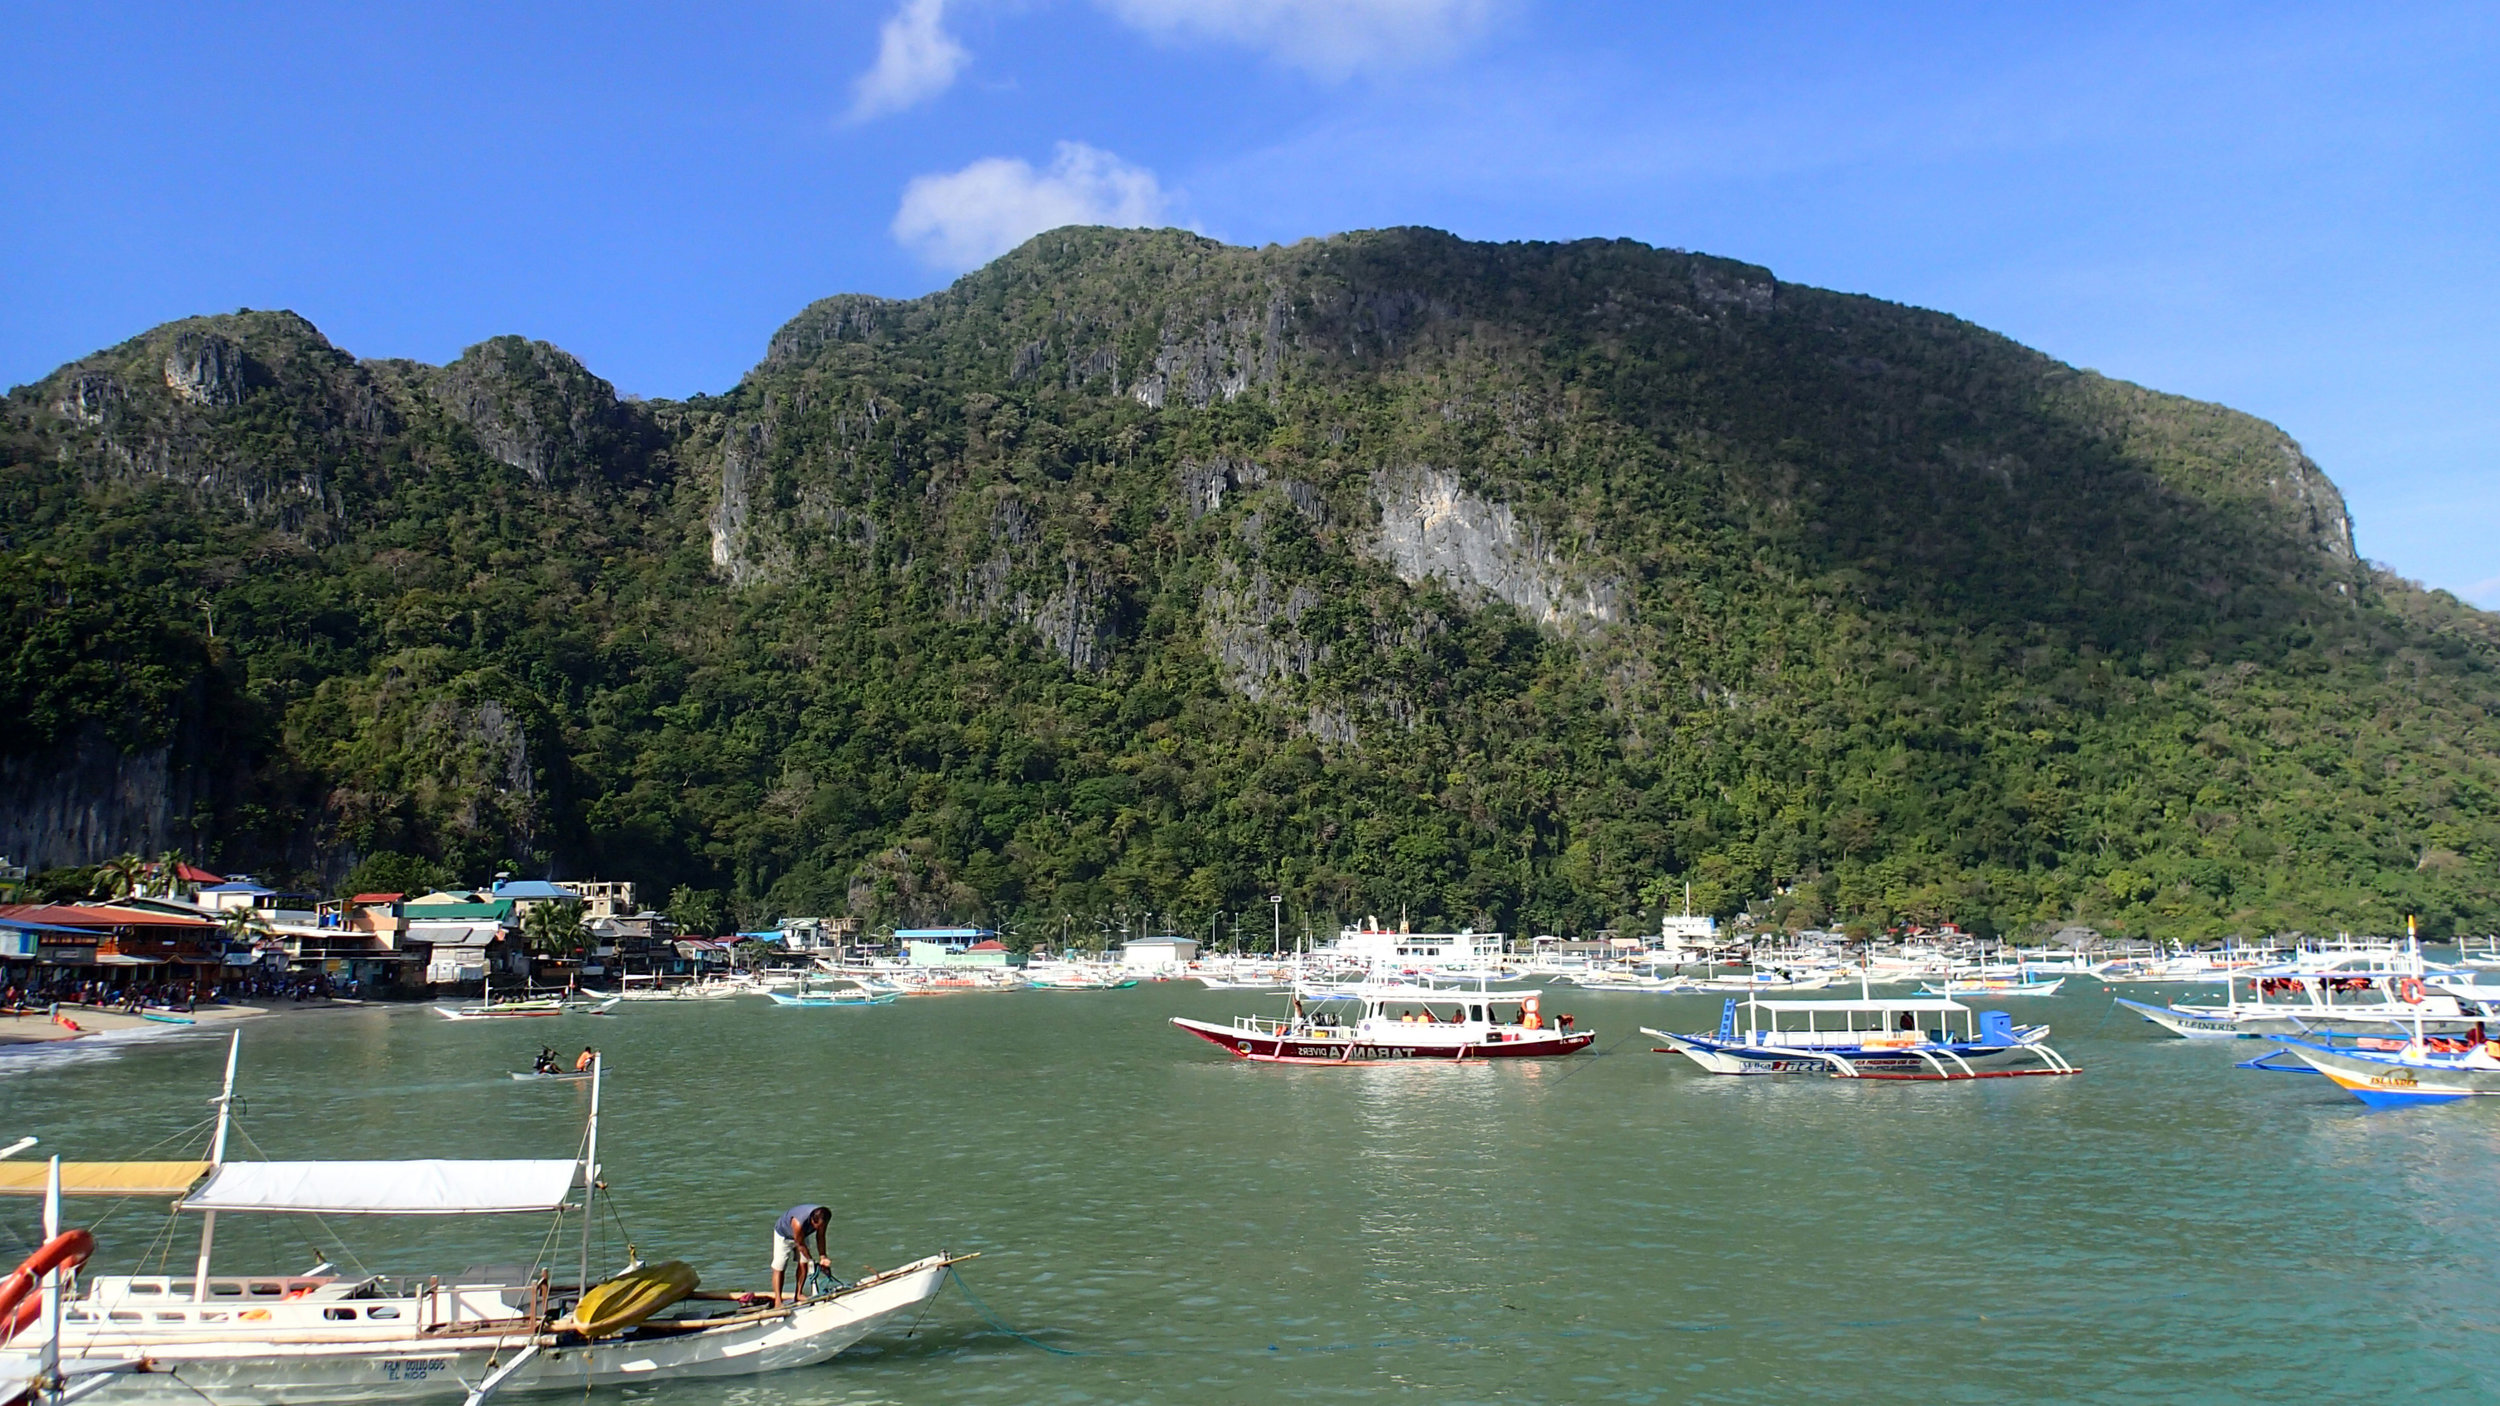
<point>1515,584</point>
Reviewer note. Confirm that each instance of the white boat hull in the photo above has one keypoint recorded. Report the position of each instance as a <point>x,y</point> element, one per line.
<point>204,1371</point>
<point>2227,1023</point>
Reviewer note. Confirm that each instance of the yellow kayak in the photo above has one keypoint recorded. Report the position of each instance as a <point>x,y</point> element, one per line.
<point>629,1298</point>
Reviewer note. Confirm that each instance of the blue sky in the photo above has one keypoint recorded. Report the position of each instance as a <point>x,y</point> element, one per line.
<point>2294,209</point>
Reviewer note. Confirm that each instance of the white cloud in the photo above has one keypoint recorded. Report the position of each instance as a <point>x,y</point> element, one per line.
<point>916,60</point>
<point>1331,38</point>
<point>966,218</point>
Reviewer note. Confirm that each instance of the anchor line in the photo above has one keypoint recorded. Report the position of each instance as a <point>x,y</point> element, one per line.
<point>996,1322</point>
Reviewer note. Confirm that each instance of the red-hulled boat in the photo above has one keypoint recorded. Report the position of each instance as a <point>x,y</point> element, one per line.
<point>1386,1022</point>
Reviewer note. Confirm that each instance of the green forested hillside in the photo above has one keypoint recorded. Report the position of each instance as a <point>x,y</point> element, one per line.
<point>1513,584</point>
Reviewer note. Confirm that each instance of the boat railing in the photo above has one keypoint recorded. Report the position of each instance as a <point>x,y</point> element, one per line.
<point>1303,1029</point>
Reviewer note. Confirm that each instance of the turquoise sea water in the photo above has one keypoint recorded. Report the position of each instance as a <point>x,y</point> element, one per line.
<point>1615,1227</point>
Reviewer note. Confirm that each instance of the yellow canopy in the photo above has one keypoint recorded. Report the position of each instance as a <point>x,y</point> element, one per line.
<point>102,1178</point>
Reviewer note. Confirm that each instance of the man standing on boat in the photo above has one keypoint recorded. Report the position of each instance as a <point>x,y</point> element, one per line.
<point>792,1230</point>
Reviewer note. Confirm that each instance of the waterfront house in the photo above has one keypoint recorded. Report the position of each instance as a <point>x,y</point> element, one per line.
<point>234,894</point>
<point>955,947</point>
<point>525,894</point>
<point>364,939</point>
<point>601,898</point>
<point>1159,954</point>
<point>109,942</point>
<point>462,934</point>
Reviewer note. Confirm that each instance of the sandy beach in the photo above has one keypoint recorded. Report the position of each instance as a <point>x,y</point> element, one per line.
<point>92,1021</point>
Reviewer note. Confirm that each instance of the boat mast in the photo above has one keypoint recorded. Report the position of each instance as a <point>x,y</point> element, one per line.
<point>48,1375</point>
<point>590,1166</point>
<point>216,1156</point>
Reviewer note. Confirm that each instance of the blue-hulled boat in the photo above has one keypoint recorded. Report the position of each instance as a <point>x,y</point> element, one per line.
<point>1917,1038</point>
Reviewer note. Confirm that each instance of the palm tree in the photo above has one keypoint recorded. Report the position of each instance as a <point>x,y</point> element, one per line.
<point>120,876</point>
<point>554,930</point>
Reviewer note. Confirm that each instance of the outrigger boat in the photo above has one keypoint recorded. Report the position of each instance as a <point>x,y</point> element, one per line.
<point>2346,994</point>
<point>1995,986</point>
<point>2424,1070</point>
<point>1397,1021</point>
<point>528,1007</point>
<point>1763,979</point>
<point>845,993</point>
<point>1877,1038</point>
<point>1078,976</point>
<point>204,1339</point>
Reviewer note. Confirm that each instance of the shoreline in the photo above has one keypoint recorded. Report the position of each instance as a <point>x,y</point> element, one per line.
<point>39,1029</point>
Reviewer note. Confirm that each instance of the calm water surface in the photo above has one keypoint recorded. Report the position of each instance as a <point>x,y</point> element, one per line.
<point>1606,1228</point>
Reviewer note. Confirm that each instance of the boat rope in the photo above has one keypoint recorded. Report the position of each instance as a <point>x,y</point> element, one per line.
<point>2105,1015</point>
<point>631,1254</point>
<point>997,1323</point>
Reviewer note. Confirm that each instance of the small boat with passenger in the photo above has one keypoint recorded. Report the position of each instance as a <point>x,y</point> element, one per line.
<point>1385,1021</point>
<point>1931,1038</point>
<point>204,1338</point>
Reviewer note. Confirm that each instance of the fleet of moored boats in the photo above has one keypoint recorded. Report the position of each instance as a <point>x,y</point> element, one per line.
<point>2375,1018</point>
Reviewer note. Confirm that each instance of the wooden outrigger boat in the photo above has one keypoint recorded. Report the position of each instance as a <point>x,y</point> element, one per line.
<point>1993,987</point>
<point>2406,1078</point>
<point>1396,1021</point>
<point>2348,993</point>
<point>845,993</point>
<point>1880,1038</point>
<point>206,1339</point>
<point>531,1007</point>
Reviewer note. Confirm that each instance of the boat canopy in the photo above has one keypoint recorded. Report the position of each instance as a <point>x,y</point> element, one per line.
<point>102,1178</point>
<point>1432,995</point>
<point>1931,1005</point>
<point>411,1188</point>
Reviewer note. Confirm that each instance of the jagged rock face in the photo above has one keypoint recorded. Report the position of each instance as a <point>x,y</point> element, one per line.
<point>92,801</point>
<point>531,406</point>
<point>1076,622</point>
<point>1204,487</point>
<point>1430,527</point>
<point>1220,357</point>
<point>91,397</point>
<point>206,369</point>
<point>2309,498</point>
<point>1252,630</point>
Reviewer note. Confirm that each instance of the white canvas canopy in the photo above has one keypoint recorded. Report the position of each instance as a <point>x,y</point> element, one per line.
<point>412,1188</point>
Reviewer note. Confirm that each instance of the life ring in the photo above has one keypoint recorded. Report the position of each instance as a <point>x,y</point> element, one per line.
<point>67,1250</point>
<point>2409,990</point>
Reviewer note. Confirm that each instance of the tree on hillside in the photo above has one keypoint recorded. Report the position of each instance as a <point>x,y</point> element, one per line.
<point>555,930</point>
<point>697,912</point>
<point>166,879</point>
<point>243,926</point>
<point>386,871</point>
<point>120,876</point>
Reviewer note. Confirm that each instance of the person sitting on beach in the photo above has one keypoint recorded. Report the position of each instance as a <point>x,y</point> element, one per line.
<point>792,1231</point>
